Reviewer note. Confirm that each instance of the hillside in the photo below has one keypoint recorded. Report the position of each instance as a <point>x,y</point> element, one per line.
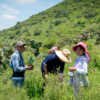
<point>63,25</point>
<point>65,20</point>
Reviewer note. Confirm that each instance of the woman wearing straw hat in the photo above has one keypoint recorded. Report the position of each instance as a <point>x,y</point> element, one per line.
<point>55,61</point>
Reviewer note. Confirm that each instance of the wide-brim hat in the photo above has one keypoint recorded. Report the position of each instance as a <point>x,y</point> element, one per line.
<point>82,45</point>
<point>63,55</point>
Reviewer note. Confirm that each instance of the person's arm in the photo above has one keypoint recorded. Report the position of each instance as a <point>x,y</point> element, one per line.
<point>80,67</point>
<point>45,63</point>
<point>61,67</point>
<point>45,73</point>
<point>45,69</point>
<point>16,65</point>
<point>69,60</point>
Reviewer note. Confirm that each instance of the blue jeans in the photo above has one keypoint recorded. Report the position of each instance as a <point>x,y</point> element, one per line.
<point>18,81</point>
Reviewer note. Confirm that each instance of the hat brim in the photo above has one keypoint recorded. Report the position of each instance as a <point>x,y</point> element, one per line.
<point>61,56</point>
<point>75,48</point>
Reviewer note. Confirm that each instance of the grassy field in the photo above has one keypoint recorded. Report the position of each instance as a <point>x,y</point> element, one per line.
<point>54,89</point>
<point>63,25</point>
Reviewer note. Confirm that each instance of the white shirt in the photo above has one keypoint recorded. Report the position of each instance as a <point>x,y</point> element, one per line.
<point>81,64</point>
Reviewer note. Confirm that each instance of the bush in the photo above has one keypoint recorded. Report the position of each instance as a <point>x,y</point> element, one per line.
<point>49,45</point>
<point>90,14</point>
<point>37,32</point>
<point>57,22</point>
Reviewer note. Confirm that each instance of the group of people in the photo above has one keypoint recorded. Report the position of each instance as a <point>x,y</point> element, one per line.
<point>54,63</point>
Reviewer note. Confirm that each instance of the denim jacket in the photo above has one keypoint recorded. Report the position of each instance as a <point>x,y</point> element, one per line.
<point>17,62</point>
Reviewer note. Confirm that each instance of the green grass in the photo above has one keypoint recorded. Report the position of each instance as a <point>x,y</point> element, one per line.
<point>61,25</point>
<point>54,89</point>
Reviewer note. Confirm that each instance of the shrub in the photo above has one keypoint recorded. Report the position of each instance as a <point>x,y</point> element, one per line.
<point>49,45</point>
<point>90,14</point>
<point>37,32</point>
<point>57,22</point>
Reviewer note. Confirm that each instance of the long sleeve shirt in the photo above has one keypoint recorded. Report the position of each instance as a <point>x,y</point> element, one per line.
<point>17,62</point>
<point>81,64</point>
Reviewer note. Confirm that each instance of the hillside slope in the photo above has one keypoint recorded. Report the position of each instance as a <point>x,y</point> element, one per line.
<point>63,25</point>
<point>65,20</point>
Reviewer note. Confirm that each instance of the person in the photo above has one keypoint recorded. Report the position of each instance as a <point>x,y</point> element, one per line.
<point>78,73</point>
<point>55,61</point>
<point>18,66</point>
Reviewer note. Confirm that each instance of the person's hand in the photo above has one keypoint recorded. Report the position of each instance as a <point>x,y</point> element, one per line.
<point>72,69</point>
<point>29,67</point>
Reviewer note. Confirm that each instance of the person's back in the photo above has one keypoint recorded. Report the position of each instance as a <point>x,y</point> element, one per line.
<point>53,62</point>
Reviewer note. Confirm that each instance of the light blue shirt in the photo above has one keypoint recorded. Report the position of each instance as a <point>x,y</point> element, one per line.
<point>17,62</point>
<point>81,64</point>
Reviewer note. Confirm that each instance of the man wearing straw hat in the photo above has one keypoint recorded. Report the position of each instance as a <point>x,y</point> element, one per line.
<point>55,61</point>
<point>17,64</point>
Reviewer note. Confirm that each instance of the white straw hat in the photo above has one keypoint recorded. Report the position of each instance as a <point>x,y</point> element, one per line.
<point>63,55</point>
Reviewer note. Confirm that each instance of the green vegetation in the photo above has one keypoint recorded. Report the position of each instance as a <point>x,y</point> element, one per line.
<point>64,25</point>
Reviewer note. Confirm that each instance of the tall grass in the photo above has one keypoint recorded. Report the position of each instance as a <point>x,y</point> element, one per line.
<point>54,89</point>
